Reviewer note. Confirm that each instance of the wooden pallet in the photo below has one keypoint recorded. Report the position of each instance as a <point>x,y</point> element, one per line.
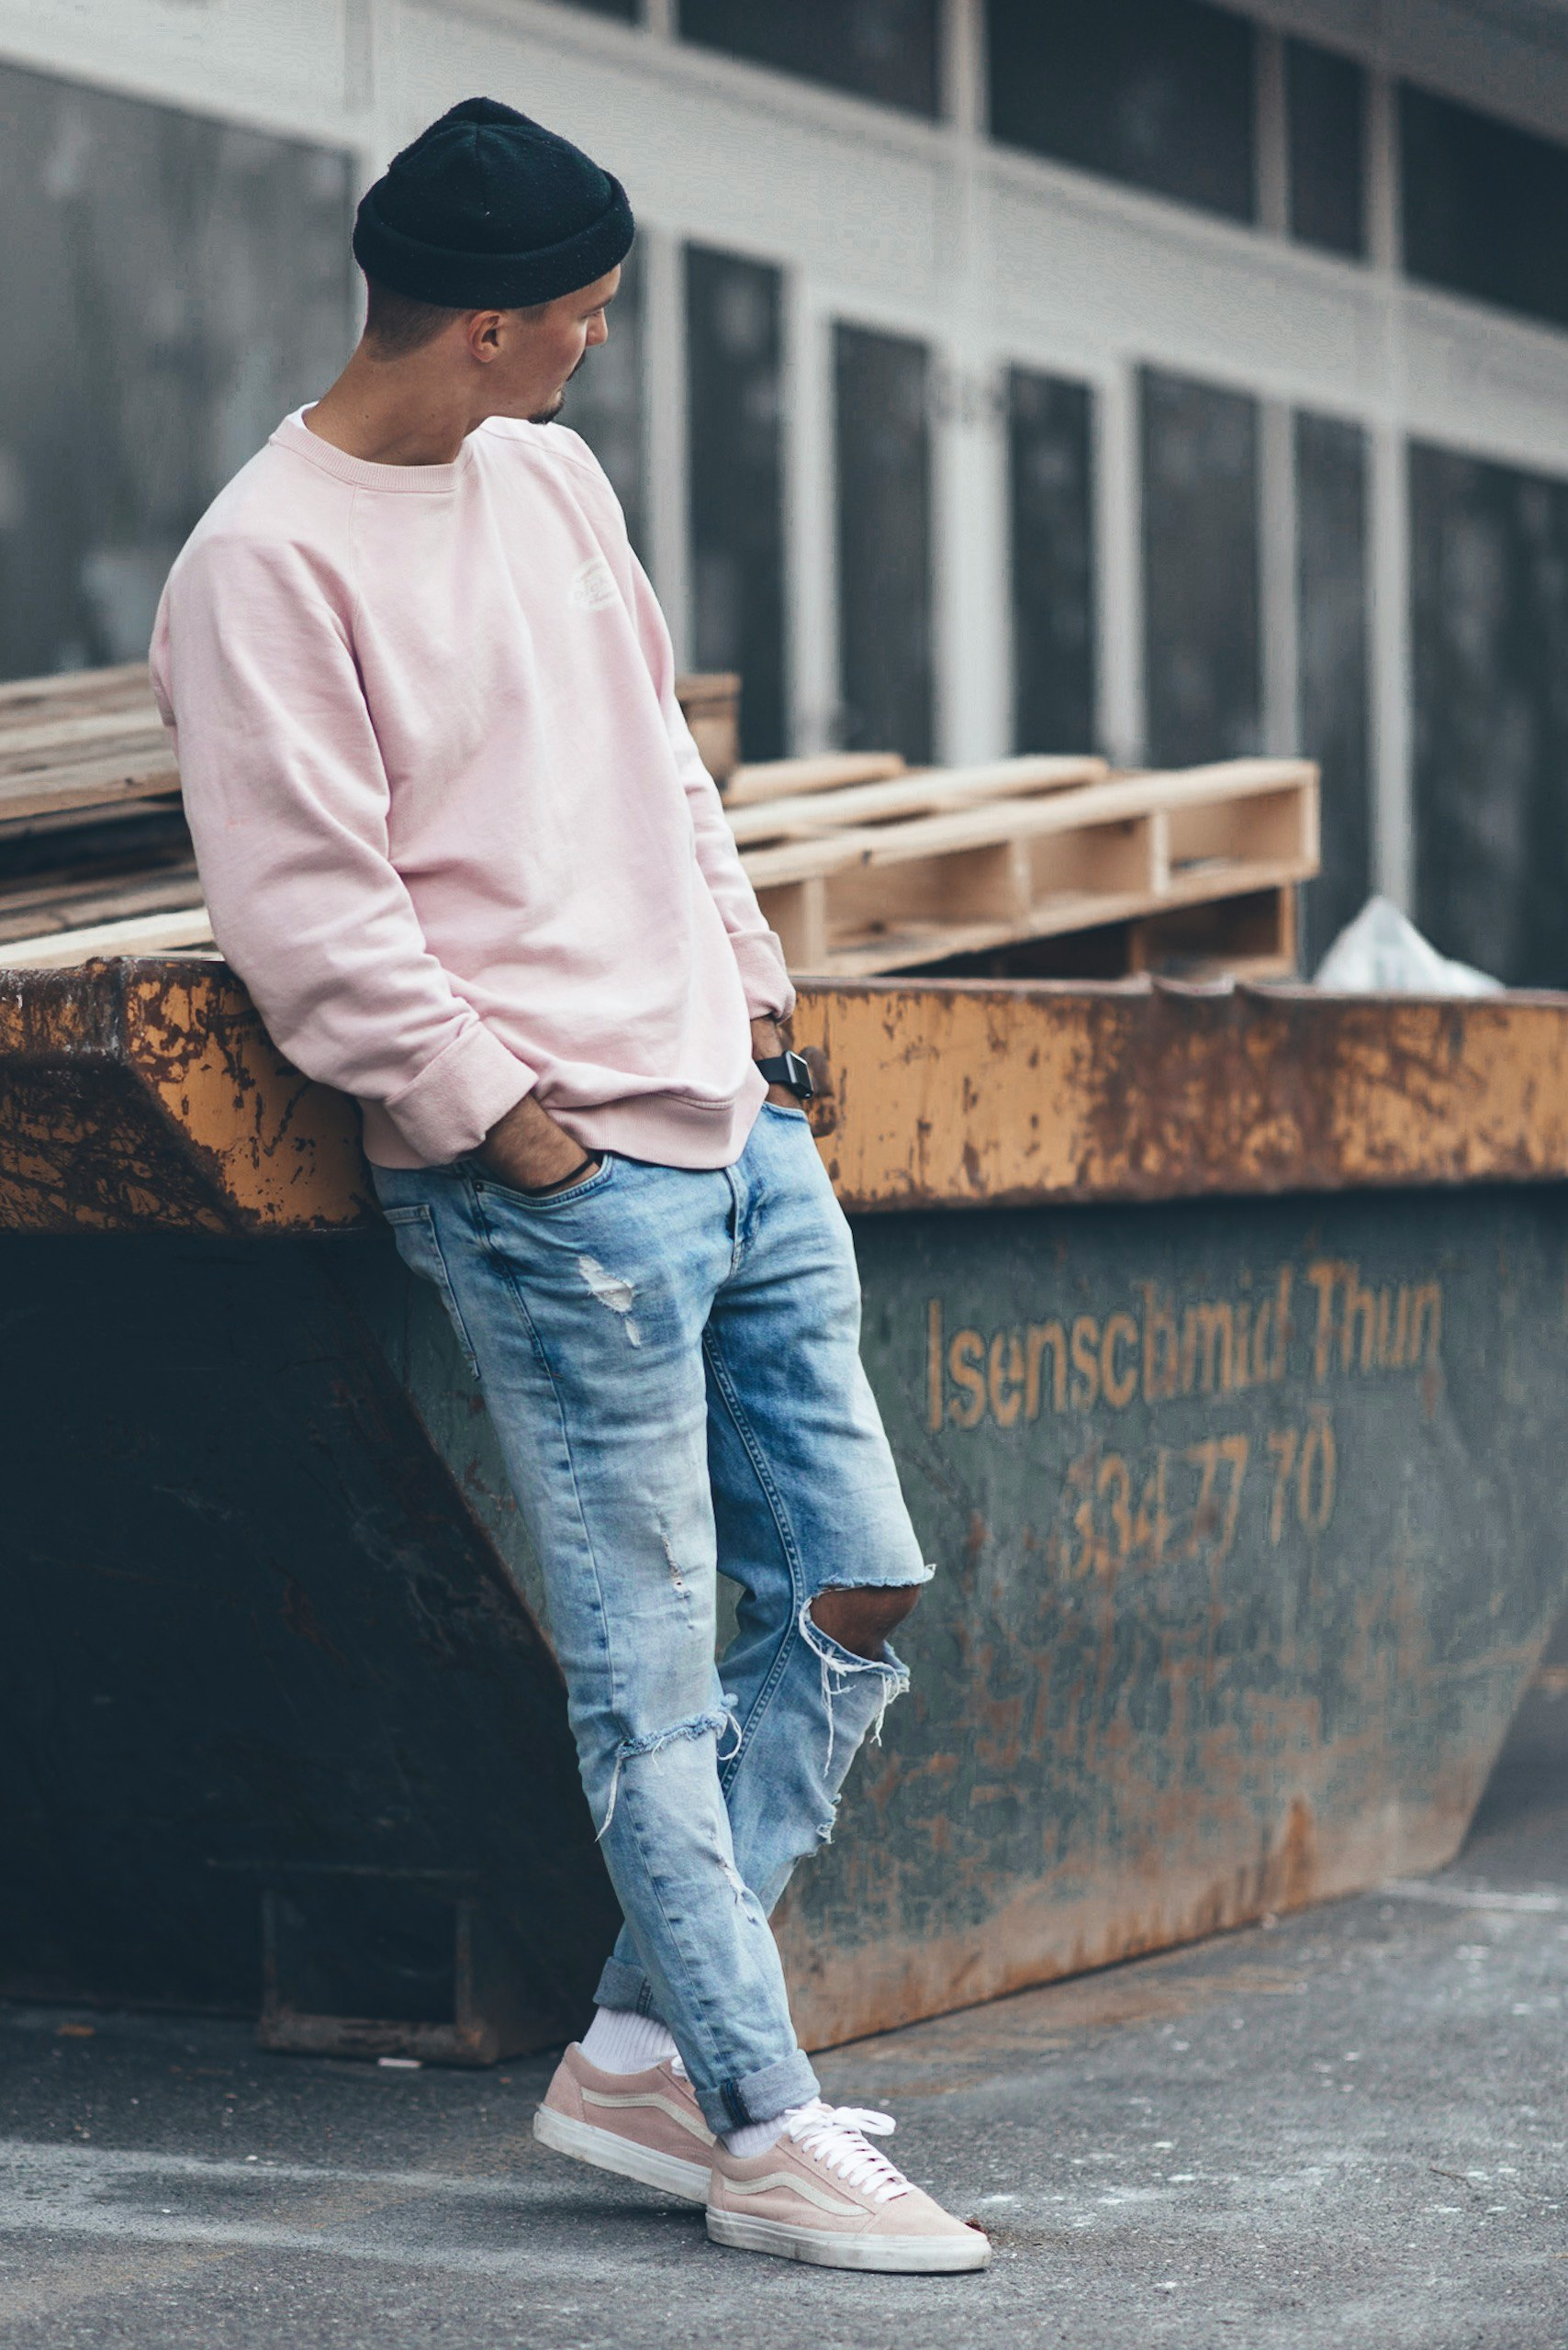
<point>778,778</point>
<point>820,813</point>
<point>79,746</point>
<point>1250,937</point>
<point>922,869</point>
<point>61,900</point>
<point>861,865</point>
<point>179,931</point>
<point>85,761</point>
<point>887,890</point>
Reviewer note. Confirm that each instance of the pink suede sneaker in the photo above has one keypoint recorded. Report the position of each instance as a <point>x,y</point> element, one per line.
<point>646,2126</point>
<point>822,2192</point>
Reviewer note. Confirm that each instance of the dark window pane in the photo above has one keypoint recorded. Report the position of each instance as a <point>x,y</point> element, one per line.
<point>1052,506</point>
<point>737,514</point>
<point>1489,558</point>
<point>1483,205</point>
<point>183,285</point>
<point>884,541</point>
<point>1331,535</point>
<point>1157,92</point>
<point>604,399</point>
<point>1200,564</point>
<point>1325,116</point>
<point>879,48</point>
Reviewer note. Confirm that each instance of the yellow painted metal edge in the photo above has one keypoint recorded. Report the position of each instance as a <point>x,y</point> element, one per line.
<point>969,1095</point>
<point>284,1153</point>
<point>145,1096</point>
<point>946,1094</point>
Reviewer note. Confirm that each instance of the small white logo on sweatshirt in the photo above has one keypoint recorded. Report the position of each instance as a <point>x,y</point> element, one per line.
<point>593,586</point>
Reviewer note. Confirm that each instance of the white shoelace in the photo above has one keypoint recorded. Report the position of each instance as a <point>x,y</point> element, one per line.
<point>837,2135</point>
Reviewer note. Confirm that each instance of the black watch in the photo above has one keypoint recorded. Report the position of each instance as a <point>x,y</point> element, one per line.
<point>791,1070</point>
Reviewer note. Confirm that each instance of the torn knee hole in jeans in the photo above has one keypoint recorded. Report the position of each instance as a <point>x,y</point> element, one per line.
<point>841,1671</point>
<point>632,1750</point>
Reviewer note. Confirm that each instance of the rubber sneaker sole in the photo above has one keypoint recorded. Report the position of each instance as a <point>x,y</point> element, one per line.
<point>907,2256</point>
<point>604,2151</point>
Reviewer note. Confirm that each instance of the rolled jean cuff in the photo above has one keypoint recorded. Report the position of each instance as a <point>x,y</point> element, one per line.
<point>761,2097</point>
<point>734,2104</point>
<point>626,1987</point>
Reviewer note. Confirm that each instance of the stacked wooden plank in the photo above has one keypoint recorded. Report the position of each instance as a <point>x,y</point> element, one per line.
<point>909,871</point>
<point>91,836</point>
<point>89,739</point>
<point>861,865</point>
<point>95,857</point>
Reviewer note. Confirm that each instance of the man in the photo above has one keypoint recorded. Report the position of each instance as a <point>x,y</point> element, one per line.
<point>456,839</point>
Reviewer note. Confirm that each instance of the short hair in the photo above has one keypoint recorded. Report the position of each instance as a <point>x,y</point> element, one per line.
<point>399,323</point>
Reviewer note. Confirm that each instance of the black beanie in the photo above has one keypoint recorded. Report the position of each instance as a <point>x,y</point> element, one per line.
<point>488,210</point>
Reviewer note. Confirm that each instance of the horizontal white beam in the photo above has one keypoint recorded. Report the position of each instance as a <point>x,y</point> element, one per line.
<point>866,204</point>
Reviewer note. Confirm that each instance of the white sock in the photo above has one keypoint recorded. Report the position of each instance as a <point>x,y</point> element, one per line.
<point>620,2041</point>
<point>757,2136</point>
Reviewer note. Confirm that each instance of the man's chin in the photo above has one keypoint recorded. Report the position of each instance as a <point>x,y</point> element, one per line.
<point>548,415</point>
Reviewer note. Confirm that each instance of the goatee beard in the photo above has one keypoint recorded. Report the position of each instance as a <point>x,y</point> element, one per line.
<point>548,415</point>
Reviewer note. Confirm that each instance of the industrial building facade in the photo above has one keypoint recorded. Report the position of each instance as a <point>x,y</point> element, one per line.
<point>1149,376</point>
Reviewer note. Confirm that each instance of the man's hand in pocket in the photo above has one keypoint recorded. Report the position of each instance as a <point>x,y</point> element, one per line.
<point>530,1151</point>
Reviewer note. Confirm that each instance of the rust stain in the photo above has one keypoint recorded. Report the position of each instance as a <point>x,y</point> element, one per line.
<point>281,1151</point>
<point>961,1093</point>
<point>1058,1926</point>
<point>139,1095</point>
<point>1289,1876</point>
<point>147,1096</point>
<point>145,1093</point>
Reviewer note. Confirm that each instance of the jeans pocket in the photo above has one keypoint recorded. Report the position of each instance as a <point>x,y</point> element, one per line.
<point>783,1110</point>
<point>543,1202</point>
<point>418,1245</point>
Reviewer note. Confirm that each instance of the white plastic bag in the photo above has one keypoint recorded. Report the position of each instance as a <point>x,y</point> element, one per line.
<point>1381,954</point>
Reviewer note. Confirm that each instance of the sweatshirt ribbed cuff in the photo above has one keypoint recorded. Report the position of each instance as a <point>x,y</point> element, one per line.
<point>769,993</point>
<point>457,1098</point>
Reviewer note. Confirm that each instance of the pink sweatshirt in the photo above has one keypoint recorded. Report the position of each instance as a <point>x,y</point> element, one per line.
<point>454,834</point>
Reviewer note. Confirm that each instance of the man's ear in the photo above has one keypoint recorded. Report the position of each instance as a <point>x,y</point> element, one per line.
<point>485,336</point>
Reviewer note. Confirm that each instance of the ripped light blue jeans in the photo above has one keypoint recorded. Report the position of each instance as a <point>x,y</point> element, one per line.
<point>671,1360</point>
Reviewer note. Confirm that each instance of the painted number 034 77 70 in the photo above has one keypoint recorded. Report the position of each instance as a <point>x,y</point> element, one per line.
<point>1193,1501</point>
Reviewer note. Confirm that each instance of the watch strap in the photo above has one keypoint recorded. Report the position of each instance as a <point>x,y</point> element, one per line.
<point>790,1069</point>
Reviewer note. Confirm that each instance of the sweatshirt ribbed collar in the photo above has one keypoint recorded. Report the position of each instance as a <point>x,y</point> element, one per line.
<point>417,481</point>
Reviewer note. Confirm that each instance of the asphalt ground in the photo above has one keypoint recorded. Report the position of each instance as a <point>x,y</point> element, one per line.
<point>1346,2130</point>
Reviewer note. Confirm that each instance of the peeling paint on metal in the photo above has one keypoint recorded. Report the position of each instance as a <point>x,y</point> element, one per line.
<point>1343,1410</point>
<point>146,1094</point>
<point>964,1093</point>
<point>1237,1584</point>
